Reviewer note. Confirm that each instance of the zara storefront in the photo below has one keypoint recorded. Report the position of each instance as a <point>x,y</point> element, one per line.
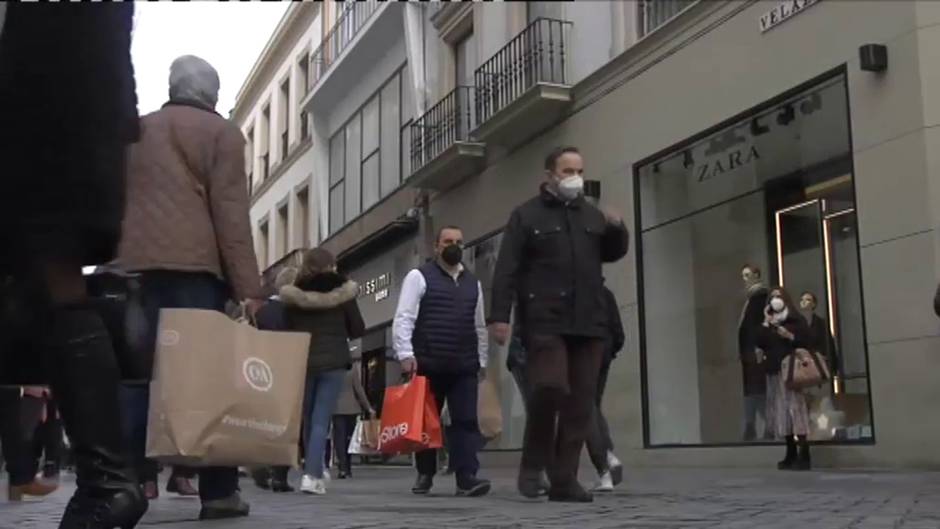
<point>728,139</point>
<point>820,174</point>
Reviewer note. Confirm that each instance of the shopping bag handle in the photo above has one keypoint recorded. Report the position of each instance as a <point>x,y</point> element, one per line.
<point>245,315</point>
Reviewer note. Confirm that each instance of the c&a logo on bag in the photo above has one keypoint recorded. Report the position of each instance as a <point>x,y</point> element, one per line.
<point>392,432</point>
<point>258,374</point>
<point>169,338</point>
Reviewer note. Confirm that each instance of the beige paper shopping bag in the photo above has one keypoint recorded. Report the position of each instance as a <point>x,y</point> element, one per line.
<point>489,410</point>
<point>224,393</point>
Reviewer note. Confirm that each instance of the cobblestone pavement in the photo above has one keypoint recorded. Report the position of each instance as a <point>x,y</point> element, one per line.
<point>727,499</point>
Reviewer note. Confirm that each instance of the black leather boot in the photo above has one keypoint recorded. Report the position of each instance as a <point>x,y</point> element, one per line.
<point>279,481</point>
<point>79,357</point>
<point>790,459</point>
<point>803,461</point>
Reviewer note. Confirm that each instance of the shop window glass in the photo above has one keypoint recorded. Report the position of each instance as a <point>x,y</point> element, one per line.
<point>336,208</point>
<point>370,127</point>
<point>353,167</point>
<point>370,182</point>
<point>773,190</point>
<point>390,120</point>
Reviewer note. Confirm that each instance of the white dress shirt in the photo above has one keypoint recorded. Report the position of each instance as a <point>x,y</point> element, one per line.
<point>409,305</point>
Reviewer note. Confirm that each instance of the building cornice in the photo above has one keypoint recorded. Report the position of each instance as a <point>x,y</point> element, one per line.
<point>453,20</point>
<point>297,19</point>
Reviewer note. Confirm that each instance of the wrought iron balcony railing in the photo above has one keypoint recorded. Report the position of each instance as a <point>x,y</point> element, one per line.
<point>537,55</point>
<point>446,123</point>
<point>354,16</point>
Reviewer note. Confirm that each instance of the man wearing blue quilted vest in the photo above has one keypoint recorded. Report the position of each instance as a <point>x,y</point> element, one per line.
<point>440,333</point>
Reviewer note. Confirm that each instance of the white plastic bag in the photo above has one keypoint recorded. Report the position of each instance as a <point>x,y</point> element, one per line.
<point>356,447</point>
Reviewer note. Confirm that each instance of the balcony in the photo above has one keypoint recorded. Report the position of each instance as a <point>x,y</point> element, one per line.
<point>524,88</point>
<point>362,34</point>
<point>442,151</point>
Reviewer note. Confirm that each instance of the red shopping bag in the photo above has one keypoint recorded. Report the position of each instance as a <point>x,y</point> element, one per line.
<point>410,421</point>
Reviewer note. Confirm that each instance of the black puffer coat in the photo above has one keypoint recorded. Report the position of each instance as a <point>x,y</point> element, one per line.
<point>550,260</point>
<point>325,306</point>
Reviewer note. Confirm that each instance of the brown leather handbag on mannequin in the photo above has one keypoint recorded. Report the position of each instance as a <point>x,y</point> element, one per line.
<point>805,369</point>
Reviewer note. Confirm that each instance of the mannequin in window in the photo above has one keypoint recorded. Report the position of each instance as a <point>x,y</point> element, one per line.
<point>822,339</point>
<point>752,358</point>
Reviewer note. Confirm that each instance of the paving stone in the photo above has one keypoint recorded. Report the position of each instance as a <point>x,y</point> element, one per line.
<point>682,499</point>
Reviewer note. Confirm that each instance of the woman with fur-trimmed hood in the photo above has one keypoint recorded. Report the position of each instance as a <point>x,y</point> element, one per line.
<point>322,303</point>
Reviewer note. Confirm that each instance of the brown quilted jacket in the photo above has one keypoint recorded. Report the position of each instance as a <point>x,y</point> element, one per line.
<point>187,199</point>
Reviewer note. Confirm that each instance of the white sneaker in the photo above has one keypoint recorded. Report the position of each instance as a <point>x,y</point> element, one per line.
<point>606,483</point>
<point>326,475</point>
<point>311,485</point>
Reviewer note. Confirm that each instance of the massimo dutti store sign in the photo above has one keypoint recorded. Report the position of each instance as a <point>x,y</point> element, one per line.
<point>380,281</point>
<point>783,12</point>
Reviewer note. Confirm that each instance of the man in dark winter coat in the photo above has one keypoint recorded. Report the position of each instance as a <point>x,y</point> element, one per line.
<point>69,111</point>
<point>550,261</point>
<point>752,359</point>
<point>440,332</point>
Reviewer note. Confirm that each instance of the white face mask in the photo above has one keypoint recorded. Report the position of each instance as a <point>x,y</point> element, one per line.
<point>571,187</point>
<point>777,304</point>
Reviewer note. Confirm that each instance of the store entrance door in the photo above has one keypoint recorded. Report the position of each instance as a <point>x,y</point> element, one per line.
<point>817,253</point>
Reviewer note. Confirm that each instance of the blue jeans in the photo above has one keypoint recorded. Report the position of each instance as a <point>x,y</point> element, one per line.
<point>320,398</point>
<point>176,290</point>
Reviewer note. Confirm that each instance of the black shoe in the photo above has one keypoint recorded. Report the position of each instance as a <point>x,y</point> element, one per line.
<point>473,487</point>
<point>573,493</point>
<point>80,358</point>
<point>343,474</point>
<point>261,477</point>
<point>280,486</point>
<point>279,482</point>
<point>231,507</point>
<point>423,484</point>
<point>121,509</point>
<point>530,483</point>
